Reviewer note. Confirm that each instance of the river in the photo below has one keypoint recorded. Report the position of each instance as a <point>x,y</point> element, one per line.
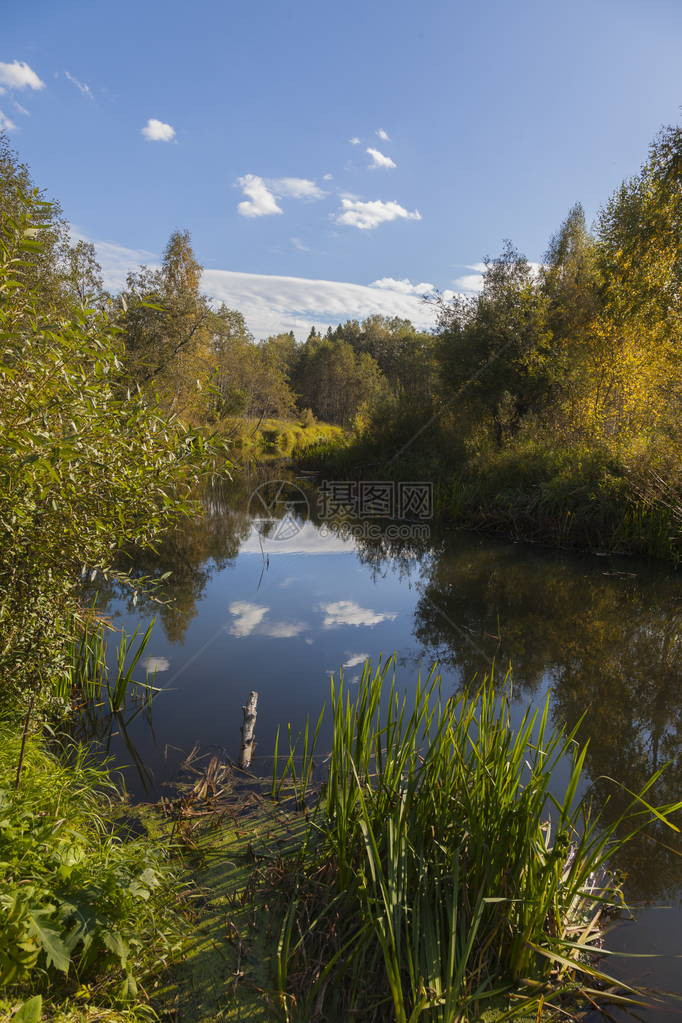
<point>267,593</point>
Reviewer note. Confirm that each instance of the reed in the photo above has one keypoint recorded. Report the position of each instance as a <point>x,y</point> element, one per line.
<point>442,877</point>
<point>93,679</point>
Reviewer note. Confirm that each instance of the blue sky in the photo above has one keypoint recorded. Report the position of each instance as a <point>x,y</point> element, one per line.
<point>499,116</point>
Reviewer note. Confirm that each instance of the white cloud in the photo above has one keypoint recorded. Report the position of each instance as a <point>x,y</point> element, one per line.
<point>379,160</point>
<point>295,188</point>
<point>355,141</point>
<point>259,202</point>
<point>347,612</point>
<point>273,304</point>
<point>367,215</point>
<point>158,131</point>
<point>405,286</point>
<point>383,135</point>
<point>327,177</point>
<point>87,91</point>
<point>18,106</point>
<point>249,620</point>
<point>6,123</point>
<point>19,75</point>
<point>473,281</point>
<point>262,193</point>
<point>355,659</point>
<point>248,616</point>
<point>298,245</point>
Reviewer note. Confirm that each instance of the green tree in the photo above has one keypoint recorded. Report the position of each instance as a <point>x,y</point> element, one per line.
<point>166,323</point>
<point>335,382</point>
<point>86,465</point>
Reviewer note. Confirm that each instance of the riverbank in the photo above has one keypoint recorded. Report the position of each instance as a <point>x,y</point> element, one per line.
<point>287,438</point>
<point>423,876</point>
<point>560,497</point>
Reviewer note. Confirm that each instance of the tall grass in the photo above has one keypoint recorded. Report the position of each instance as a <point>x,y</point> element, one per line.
<point>89,677</point>
<point>442,876</point>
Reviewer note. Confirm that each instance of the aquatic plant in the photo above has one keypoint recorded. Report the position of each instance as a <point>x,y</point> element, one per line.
<point>447,869</point>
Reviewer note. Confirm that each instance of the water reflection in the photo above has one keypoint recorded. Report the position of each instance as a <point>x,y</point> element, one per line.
<point>240,610</point>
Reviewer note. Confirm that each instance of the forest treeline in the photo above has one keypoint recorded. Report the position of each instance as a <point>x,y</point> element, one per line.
<point>550,404</point>
<point>546,405</point>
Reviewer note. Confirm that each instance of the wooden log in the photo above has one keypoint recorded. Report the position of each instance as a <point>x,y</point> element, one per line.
<point>247,730</point>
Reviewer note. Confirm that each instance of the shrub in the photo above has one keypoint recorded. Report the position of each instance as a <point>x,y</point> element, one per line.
<point>82,905</point>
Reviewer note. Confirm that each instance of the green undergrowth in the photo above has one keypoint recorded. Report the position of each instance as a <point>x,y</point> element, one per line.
<point>574,496</point>
<point>433,866</point>
<point>91,905</point>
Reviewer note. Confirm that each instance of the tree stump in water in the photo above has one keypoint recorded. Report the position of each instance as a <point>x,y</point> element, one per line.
<point>247,730</point>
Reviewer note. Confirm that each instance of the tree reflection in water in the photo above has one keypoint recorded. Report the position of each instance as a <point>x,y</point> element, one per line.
<point>603,635</point>
<point>606,638</point>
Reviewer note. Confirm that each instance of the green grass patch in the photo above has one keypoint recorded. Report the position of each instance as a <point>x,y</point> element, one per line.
<point>279,437</point>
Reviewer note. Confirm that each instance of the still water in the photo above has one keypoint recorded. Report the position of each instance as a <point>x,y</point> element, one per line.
<point>252,605</point>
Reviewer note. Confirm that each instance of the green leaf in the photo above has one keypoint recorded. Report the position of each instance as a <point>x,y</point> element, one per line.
<point>115,943</point>
<point>31,1011</point>
<point>56,952</point>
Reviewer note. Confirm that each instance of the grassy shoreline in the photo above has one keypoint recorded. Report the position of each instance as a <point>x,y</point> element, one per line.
<point>569,499</point>
<point>280,437</point>
<point>432,874</point>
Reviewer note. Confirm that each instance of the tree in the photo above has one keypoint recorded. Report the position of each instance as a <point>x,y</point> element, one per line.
<point>166,323</point>
<point>251,378</point>
<point>494,347</point>
<point>336,382</point>
<point>86,465</point>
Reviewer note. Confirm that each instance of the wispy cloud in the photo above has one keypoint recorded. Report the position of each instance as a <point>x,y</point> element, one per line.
<point>85,89</point>
<point>272,304</point>
<point>158,131</point>
<point>6,123</point>
<point>379,159</point>
<point>18,75</point>
<point>298,245</point>
<point>383,135</point>
<point>405,286</point>
<point>355,141</point>
<point>116,260</point>
<point>355,659</point>
<point>368,215</point>
<point>282,630</point>
<point>327,177</point>
<point>347,612</point>
<point>295,188</point>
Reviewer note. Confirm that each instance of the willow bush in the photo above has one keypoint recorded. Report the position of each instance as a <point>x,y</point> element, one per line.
<point>87,464</point>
